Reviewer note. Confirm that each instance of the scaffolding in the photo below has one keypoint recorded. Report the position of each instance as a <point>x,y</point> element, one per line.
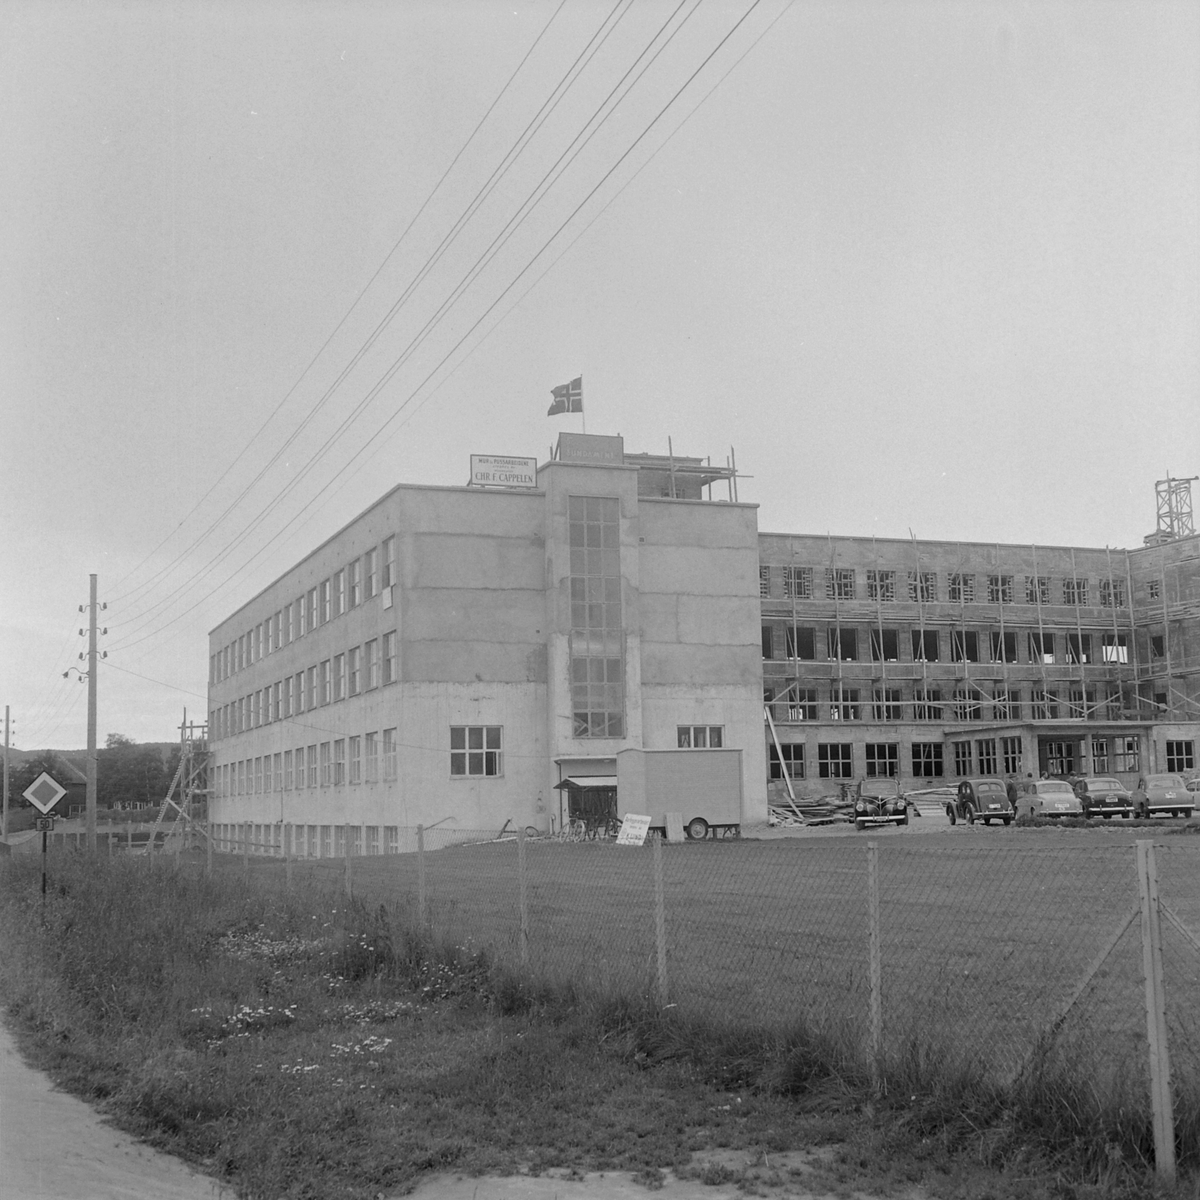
<point>1174,508</point>
<point>183,815</point>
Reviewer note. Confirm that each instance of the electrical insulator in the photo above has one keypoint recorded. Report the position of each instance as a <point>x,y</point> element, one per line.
<point>105,606</point>
<point>104,654</point>
<point>81,633</point>
<point>104,630</point>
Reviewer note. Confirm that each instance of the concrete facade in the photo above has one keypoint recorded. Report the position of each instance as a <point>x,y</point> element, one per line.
<point>353,690</point>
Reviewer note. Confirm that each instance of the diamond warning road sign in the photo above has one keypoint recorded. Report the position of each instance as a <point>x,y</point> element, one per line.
<point>44,793</point>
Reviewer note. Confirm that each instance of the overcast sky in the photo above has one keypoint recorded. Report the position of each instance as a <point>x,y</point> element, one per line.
<point>927,266</point>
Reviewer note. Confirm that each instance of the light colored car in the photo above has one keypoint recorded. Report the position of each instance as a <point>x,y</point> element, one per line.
<point>1164,795</point>
<point>1049,798</point>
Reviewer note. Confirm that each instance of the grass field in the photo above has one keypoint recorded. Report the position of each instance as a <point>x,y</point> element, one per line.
<point>983,934</point>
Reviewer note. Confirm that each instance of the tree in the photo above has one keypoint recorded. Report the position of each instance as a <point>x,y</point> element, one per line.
<point>127,773</point>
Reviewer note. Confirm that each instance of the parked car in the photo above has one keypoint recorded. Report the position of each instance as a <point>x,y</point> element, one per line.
<point>1104,796</point>
<point>984,799</point>
<point>879,802</point>
<point>1164,795</point>
<point>1193,784</point>
<point>1049,798</point>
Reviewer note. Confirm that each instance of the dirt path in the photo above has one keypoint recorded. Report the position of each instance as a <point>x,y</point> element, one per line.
<point>54,1147</point>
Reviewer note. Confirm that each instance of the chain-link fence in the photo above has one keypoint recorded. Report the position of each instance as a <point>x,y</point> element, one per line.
<point>996,955</point>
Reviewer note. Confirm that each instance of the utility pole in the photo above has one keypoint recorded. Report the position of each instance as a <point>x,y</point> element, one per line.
<point>91,718</point>
<point>4,812</point>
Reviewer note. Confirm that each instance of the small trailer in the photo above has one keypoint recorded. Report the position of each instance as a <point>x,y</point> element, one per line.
<point>703,786</point>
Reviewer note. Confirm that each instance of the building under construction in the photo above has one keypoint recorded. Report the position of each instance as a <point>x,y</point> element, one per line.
<point>923,660</point>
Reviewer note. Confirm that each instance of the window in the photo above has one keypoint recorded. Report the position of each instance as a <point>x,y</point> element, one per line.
<point>325,681</point>
<point>597,644</point>
<point>1006,705</point>
<point>312,609</point>
<point>353,587</point>
<point>326,765</point>
<point>299,691</point>
<point>390,663</point>
<point>700,737</point>
<point>883,760</point>
<point>844,704</point>
<point>964,645</point>
<point>801,642</point>
<point>925,645</point>
<point>389,562</point>
<point>798,583</point>
<point>764,582</point>
<point>985,755</point>
<point>961,588</point>
<point>370,578</point>
<point>1010,751</point>
<point>1075,591</point>
<point>887,705</point>
<point>1000,589</point>
<point>768,642</point>
<point>258,776</point>
<point>372,756</point>
<point>1060,758</point>
<point>301,617</point>
<point>390,771</point>
<point>339,761</point>
<point>372,832</point>
<point>371,651</point>
<point>1157,645</point>
<point>476,750</point>
<point>323,601</point>
<point>352,674</point>
<point>801,706</point>
<point>1004,646</point>
<point>1045,704</point>
<point>968,704</point>
<point>839,583</point>
<point>1081,702</point>
<point>1154,589</point>
<point>962,758</point>
<point>339,592</point>
<point>1041,647</point>
<point>1037,589</point>
<point>881,586</point>
<point>288,777</point>
<point>1125,754</point>
<point>928,706</point>
<point>834,761</point>
<point>356,759</point>
<point>301,777</point>
<point>885,645</point>
<point>339,677</point>
<point>1112,593</point>
<point>927,760</point>
<point>312,766</point>
<point>793,759</point>
<point>1181,756</point>
<point>1114,648</point>
<point>922,586</point>
<point>1079,648</point>
<point>275,781</point>
<point>843,644</point>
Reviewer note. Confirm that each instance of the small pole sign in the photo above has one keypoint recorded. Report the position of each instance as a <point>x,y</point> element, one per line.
<point>44,793</point>
<point>634,827</point>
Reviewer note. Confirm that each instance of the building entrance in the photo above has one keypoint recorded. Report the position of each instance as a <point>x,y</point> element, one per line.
<point>1059,756</point>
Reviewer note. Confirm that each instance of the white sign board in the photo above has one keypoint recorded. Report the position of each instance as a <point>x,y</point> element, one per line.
<point>44,793</point>
<point>633,829</point>
<point>494,470</point>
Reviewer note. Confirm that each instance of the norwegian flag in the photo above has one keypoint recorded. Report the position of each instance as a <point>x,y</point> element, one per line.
<point>568,397</point>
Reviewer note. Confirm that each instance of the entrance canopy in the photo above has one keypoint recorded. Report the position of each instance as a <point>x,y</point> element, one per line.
<point>579,782</point>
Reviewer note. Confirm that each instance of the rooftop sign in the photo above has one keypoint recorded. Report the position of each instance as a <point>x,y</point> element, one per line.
<point>591,448</point>
<point>494,470</point>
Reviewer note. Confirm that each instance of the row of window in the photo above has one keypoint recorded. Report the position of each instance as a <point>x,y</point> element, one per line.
<point>360,758</point>
<point>308,841</point>
<point>970,756</point>
<point>367,576</point>
<point>842,643</point>
<point>795,705</point>
<point>359,669</point>
<point>886,587</point>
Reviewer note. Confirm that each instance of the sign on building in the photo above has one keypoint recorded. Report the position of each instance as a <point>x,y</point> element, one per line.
<point>495,470</point>
<point>599,449</point>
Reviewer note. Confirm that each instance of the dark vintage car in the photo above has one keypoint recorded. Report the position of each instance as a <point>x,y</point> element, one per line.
<point>879,802</point>
<point>1162,795</point>
<point>984,799</point>
<point>1103,796</point>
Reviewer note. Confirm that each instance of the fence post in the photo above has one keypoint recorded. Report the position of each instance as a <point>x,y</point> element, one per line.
<point>349,870</point>
<point>875,971</point>
<point>208,849</point>
<point>289,850</point>
<point>660,919</point>
<point>245,848</point>
<point>1156,1016</point>
<point>421,876</point>
<point>129,838</point>
<point>523,886</point>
